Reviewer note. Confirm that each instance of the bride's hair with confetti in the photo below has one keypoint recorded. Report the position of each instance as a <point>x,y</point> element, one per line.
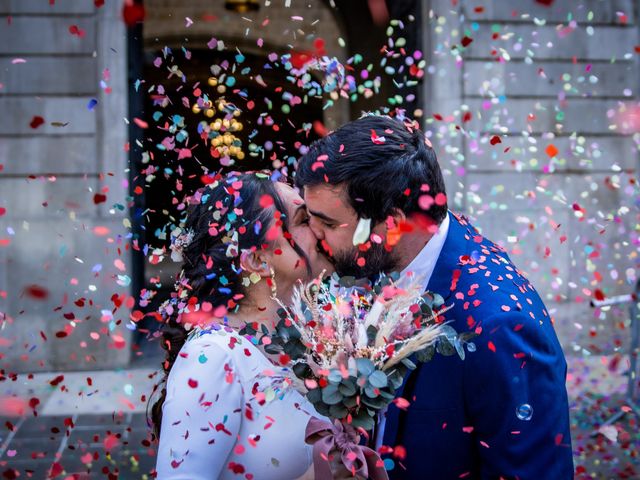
<point>222,220</point>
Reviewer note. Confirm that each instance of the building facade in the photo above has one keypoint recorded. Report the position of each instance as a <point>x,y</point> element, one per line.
<point>530,109</point>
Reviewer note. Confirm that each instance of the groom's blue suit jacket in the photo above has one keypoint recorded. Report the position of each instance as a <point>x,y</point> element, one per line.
<point>503,411</point>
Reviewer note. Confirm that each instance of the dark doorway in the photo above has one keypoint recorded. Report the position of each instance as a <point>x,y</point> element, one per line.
<point>167,97</point>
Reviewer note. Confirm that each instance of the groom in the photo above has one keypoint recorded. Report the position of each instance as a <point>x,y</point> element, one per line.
<point>376,200</point>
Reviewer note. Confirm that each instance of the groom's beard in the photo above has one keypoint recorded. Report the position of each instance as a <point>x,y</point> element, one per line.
<point>377,259</point>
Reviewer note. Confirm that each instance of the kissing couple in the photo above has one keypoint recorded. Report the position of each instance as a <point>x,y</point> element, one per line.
<point>369,198</point>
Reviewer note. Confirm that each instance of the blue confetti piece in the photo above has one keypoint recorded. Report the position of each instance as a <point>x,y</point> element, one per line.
<point>92,104</point>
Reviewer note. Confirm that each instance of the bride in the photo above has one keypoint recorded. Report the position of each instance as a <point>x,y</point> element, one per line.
<point>226,410</point>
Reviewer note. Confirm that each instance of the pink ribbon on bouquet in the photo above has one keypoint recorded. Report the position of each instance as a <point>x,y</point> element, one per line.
<point>357,459</point>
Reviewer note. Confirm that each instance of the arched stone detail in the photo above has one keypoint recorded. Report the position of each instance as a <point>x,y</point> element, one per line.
<point>192,24</point>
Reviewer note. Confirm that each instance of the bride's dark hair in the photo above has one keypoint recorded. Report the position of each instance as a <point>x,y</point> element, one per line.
<point>231,215</point>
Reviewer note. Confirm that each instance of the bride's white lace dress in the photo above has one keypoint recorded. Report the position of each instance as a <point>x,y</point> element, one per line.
<point>227,414</point>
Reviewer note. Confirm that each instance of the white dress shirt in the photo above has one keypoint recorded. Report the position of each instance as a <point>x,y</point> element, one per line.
<point>421,267</point>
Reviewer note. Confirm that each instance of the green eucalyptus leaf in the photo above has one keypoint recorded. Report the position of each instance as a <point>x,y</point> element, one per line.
<point>444,347</point>
<point>364,366</point>
<point>363,420</point>
<point>467,336</point>
<point>378,379</point>
<point>376,403</point>
<point>426,354</point>
<point>370,391</point>
<point>459,346</point>
<point>395,380</point>
<point>338,411</point>
<point>347,387</point>
<point>314,395</point>
<point>335,376</point>
<point>302,370</point>
<point>350,401</point>
<point>322,408</point>
<point>331,395</point>
<point>385,394</point>
<point>273,348</point>
<point>408,363</point>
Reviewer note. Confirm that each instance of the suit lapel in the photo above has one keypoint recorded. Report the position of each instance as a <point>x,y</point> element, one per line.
<point>441,282</point>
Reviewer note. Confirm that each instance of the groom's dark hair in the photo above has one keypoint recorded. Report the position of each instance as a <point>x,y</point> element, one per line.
<point>384,163</point>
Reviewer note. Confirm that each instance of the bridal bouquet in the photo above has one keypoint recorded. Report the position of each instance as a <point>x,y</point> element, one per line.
<point>351,347</point>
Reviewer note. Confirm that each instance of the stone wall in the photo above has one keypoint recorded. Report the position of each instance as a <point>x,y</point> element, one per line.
<point>57,244</point>
<point>540,78</point>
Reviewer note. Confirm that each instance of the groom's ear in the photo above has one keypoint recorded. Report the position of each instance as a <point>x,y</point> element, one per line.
<point>397,218</point>
<point>393,224</point>
<point>255,262</point>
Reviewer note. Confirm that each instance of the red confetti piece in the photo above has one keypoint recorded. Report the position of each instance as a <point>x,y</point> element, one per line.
<point>466,41</point>
<point>376,139</point>
<point>495,140</point>
<point>75,30</point>
<point>320,129</point>
<point>36,121</point>
<point>236,468</point>
<point>266,201</point>
<point>142,124</point>
<point>441,199</point>
<point>119,342</point>
<point>132,13</point>
<point>551,150</point>
<point>99,198</point>
<point>110,442</point>
<point>401,403</point>
<point>300,59</point>
<point>284,359</point>
<point>56,469</point>
<point>454,279</point>
<point>491,346</point>
<point>36,292</point>
<point>193,383</point>
<point>101,231</point>
<point>13,406</point>
<point>400,452</point>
